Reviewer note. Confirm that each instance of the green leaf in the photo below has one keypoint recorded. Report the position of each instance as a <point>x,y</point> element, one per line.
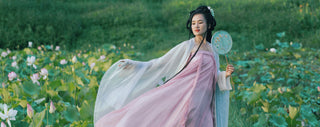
<point>257,88</point>
<point>71,114</point>
<point>86,110</point>
<point>278,121</point>
<point>293,111</point>
<point>31,88</point>
<point>308,116</point>
<point>262,121</point>
<point>260,47</point>
<point>37,119</point>
<point>253,98</point>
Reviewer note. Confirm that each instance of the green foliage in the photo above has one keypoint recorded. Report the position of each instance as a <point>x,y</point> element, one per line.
<point>72,87</point>
<point>279,85</point>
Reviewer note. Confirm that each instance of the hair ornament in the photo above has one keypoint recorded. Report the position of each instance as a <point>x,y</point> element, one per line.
<point>211,10</point>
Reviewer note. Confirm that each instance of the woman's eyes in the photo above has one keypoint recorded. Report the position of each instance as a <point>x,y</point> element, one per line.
<point>195,23</point>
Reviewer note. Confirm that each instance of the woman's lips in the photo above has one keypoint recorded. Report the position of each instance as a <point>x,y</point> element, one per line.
<point>197,30</point>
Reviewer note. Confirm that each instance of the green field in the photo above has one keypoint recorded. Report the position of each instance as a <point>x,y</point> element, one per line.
<point>280,88</point>
<point>153,25</point>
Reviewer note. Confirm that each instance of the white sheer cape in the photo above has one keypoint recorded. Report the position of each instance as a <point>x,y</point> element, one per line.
<point>119,86</point>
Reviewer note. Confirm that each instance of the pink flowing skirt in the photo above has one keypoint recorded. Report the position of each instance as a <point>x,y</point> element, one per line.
<point>184,101</point>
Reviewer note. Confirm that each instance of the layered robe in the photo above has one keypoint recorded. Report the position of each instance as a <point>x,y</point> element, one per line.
<point>120,87</point>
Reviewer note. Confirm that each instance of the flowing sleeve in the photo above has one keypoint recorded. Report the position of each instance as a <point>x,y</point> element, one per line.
<point>120,86</point>
<point>221,97</point>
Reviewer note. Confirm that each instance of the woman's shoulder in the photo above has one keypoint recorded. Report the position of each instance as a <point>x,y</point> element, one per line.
<point>187,42</point>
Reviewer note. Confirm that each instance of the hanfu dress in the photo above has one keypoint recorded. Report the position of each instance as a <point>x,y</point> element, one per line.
<point>187,100</point>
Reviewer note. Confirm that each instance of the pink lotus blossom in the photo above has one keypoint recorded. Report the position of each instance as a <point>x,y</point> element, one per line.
<point>52,107</point>
<point>74,59</point>
<point>30,110</point>
<point>319,88</point>
<point>44,73</point>
<point>14,57</point>
<point>3,125</point>
<point>57,48</point>
<point>35,77</point>
<point>83,63</point>
<point>92,65</point>
<point>39,47</point>
<point>31,60</point>
<point>8,114</point>
<point>4,54</point>
<point>62,62</point>
<point>14,64</point>
<point>102,57</point>
<point>12,75</point>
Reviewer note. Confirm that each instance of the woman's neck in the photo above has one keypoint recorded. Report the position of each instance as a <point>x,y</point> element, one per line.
<point>199,38</point>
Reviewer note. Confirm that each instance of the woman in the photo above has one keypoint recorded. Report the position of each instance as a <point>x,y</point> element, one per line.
<point>128,95</point>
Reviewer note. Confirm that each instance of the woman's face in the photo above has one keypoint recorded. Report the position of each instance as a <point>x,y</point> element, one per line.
<point>198,25</point>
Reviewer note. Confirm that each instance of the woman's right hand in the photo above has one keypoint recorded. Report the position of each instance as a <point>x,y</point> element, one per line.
<point>125,64</point>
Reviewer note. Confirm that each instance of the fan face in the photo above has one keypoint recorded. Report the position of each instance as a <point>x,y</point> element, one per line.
<point>221,42</point>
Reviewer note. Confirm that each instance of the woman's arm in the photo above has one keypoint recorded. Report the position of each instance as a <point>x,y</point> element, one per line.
<point>177,52</point>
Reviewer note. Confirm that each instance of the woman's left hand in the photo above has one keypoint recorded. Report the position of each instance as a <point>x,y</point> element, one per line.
<point>229,70</point>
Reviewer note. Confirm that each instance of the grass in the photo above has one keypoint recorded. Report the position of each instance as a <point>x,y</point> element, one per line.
<point>152,25</point>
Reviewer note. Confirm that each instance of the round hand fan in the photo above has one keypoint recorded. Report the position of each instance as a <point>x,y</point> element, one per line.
<point>221,42</point>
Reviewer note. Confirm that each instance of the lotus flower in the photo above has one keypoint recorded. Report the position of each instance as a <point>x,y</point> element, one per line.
<point>35,77</point>
<point>14,57</point>
<point>14,64</point>
<point>31,60</point>
<point>44,73</point>
<point>30,110</point>
<point>273,50</point>
<point>52,108</point>
<point>62,62</point>
<point>92,65</point>
<point>30,44</point>
<point>102,57</point>
<point>74,59</point>
<point>4,54</point>
<point>319,88</point>
<point>57,48</point>
<point>12,75</point>
<point>8,115</point>
<point>3,125</point>
<point>39,47</point>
